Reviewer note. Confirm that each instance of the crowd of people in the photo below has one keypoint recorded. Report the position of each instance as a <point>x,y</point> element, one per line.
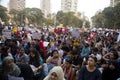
<point>62,54</point>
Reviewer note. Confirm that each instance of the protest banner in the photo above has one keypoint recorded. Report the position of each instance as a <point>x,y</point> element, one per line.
<point>6,34</point>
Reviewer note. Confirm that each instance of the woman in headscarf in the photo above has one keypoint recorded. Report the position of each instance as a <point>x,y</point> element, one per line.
<point>55,73</point>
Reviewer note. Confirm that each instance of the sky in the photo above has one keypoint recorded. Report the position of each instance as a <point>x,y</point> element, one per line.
<point>87,7</point>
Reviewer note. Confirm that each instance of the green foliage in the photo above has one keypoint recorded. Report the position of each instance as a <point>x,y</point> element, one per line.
<point>49,22</point>
<point>15,18</point>
<point>59,17</point>
<point>98,20</point>
<point>87,24</point>
<point>3,14</point>
<point>35,16</point>
<point>117,16</point>
<point>109,18</point>
<point>69,19</point>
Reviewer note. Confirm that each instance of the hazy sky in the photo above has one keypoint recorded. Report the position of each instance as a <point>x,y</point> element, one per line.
<point>88,7</point>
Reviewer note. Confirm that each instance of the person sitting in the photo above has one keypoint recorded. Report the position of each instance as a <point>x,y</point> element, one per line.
<point>53,60</point>
<point>111,66</point>
<point>89,71</point>
<point>9,68</point>
<point>21,57</point>
<point>36,63</point>
<point>68,69</point>
<point>56,73</point>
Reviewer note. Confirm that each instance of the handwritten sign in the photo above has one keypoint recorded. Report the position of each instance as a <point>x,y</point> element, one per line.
<point>36,35</point>
<point>75,33</point>
<point>6,34</point>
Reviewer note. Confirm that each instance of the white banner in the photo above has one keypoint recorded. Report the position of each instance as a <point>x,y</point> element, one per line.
<point>36,35</point>
<point>6,34</point>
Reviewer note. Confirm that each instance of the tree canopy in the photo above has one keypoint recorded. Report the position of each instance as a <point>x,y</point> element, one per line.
<point>35,16</point>
<point>3,14</point>
<point>69,19</point>
<point>108,18</point>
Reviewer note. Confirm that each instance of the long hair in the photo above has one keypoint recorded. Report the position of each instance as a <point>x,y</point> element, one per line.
<point>4,52</point>
<point>34,60</point>
<point>6,70</point>
<point>53,52</point>
<point>4,65</point>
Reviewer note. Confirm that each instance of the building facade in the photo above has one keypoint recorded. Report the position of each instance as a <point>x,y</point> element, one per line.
<point>16,4</point>
<point>69,5</point>
<point>45,6</point>
<point>114,2</point>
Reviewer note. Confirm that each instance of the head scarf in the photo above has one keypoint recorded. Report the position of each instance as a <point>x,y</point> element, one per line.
<point>58,70</point>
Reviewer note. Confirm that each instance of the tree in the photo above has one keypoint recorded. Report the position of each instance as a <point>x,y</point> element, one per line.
<point>33,15</point>
<point>14,16</point>
<point>49,22</point>
<point>3,14</point>
<point>117,16</point>
<point>98,20</point>
<point>68,19</point>
<point>109,16</point>
<point>59,17</point>
<point>112,15</point>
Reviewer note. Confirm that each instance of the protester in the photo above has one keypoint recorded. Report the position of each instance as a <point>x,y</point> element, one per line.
<point>9,68</point>
<point>21,57</point>
<point>53,60</point>
<point>68,69</point>
<point>111,69</point>
<point>73,43</point>
<point>90,72</point>
<point>55,73</point>
<point>36,63</point>
<point>4,53</point>
<point>85,50</point>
